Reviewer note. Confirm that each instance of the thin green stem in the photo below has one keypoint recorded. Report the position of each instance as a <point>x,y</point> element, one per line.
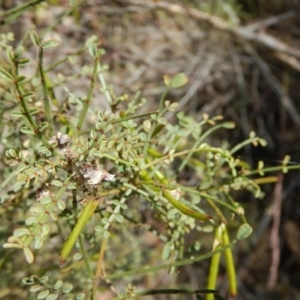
<point>14,12</point>
<point>104,85</point>
<point>233,203</point>
<point>169,292</point>
<point>45,92</point>
<point>7,179</point>
<point>184,152</point>
<point>216,209</point>
<point>85,256</point>
<point>243,144</point>
<point>64,60</point>
<point>134,117</point>
<point>271,170</point>
<point>100,267</point>
<point>161,112</point>
<point>27,114</point>
<point>162,98</point>
<point>204,195</point>
<point>115,159</point>
<point>198,142</point>
<point>169,265</point>
<point>90,93</point>
<point>188,133</point>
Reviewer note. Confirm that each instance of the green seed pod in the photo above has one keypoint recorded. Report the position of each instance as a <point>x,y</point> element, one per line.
<point>215,261</point>
<point>83,219</point>
<point>230,268</point>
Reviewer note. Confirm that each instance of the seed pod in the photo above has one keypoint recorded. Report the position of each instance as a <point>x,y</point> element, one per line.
<point>83,219</point>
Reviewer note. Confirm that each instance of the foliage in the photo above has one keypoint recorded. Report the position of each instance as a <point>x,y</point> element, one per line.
<point>78,181</point>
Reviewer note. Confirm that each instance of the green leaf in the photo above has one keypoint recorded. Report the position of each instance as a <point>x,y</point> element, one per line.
<point>61,205</point>
<point>28,281</point>
<point>173,106</point>
<point>166,251</point>
<point>6,75</point>
<point>106,234</point>
<point>10,53</point>
<point>44,150</point>
<point>229,125</point>
<point>80,296</point>
<point>43,294</point>
<point>31,220</point>
<point>244,231</point>
<point>93,134</point>
<point>252,135</point>
<point>93,50</point>
<point>28,255</point>
<point>11,153</point>
<point>45,229</point>
<point>38,242</point>
<point>67,288</point>
<point>18,52</point>
<point>44,279</point>
<point>17,114</point>
<point>23,62</point>
<point>34,38</point>
<point>46,200</point>
<point>90,40</point>
<point>58,285</point>
<point>53,215</point>
<point>77,256</point>
<point>178,81</point>
<point>21,231</point>
<point>28,95</point>
<point>35,288</point>
<point>33,111</point>
<point>11,245</point>
<point>72,186</point>
<point>43,126</point>
<point>167,80</point>
<point>263,142</point>
<point>119,218</point>
<point>26,130</point>
<point>36,209</point>
<point>49,44</point>
<point>52,297</point>
<point>162,121</point>
<point>56,183</point>
<point>21,79</point>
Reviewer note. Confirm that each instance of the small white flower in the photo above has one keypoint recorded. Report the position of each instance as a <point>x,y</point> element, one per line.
<point>41,193</point>
<point>176,193</point>
<point>95,175</point>
<point>62,140</point>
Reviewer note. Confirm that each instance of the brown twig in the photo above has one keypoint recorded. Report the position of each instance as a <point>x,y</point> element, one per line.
<point>272,20</point>
<point>274,238</point>
<point>245,33</point>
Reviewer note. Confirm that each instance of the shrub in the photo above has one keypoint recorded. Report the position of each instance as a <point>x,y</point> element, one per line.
<point>83,186</point>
